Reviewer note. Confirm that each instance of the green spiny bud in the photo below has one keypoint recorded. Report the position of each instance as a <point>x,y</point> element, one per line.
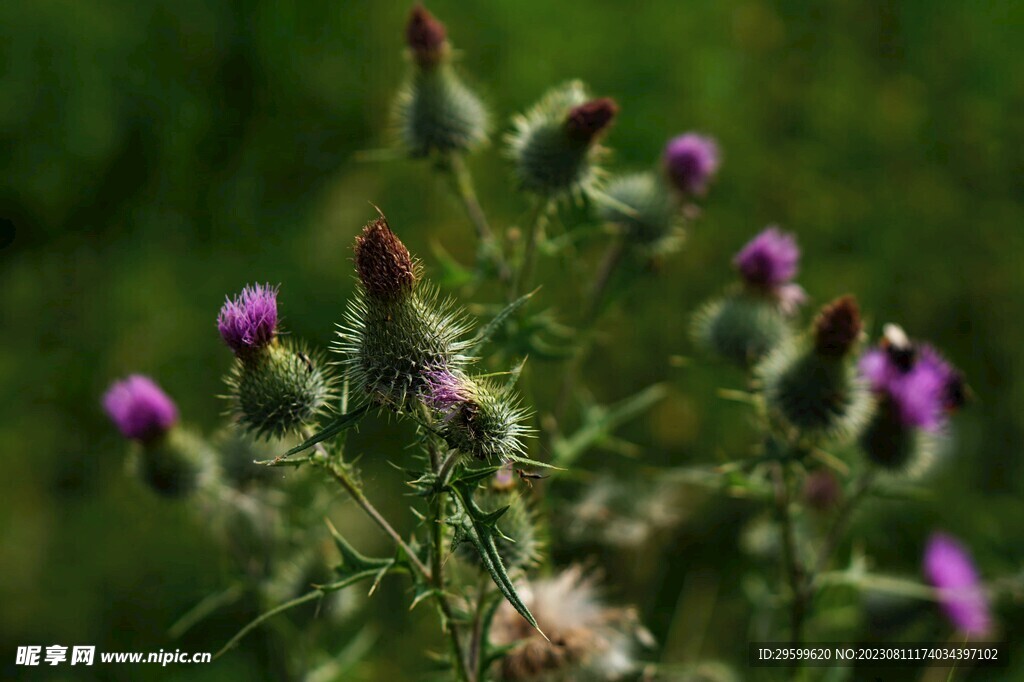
<point>176,464</point>
<point>395,328</point>
<point>476,417</point>
<point>815,395</point>
<point>279,391</point>
<point>435,112</point>
<point>741,328</point>
<point>519,543</point>
<point>647,213</point>
<point>894,446</point>
<point>554,144</point>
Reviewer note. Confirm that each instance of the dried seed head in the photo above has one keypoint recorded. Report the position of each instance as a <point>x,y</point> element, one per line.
<point>384,265</point>
<point>838,327</point>
<point>426,36</point>
<point>586,121</point>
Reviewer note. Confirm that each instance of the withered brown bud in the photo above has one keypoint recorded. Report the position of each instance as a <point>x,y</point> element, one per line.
<point>426,37</point>
<point>384,265</point>
<point>588,120</point>
<point>838,327</point>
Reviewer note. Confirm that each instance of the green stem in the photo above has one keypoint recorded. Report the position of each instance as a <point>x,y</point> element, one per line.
<point>462,183</point>
<point>835,535</point>
<point>465,669</point>
<point>536,221</point>
<point>790,559</point>
<point>344,478</point>
<point>592,311</point>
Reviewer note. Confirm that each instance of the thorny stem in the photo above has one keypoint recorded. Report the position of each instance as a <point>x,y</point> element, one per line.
<point>344,478</point>
<point>462,183</point>
<point>466,670</point>
<point>790,561</point>
<point>835,535</point>
<point>476,641</point>
<point>592,311</point>
<point>538,217</point>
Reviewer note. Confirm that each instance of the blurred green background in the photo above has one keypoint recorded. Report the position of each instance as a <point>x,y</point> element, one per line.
<point>158,155</point>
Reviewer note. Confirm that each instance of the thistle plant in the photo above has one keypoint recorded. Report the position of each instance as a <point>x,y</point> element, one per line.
<point>835,422</point>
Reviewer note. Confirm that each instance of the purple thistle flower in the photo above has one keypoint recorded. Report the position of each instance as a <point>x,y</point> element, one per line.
<point>769,260</point>
<point>923,387</point>
<point>139,408</point>
<point>249,321</point>
<point>691,160</point>
<point>444,390</point>
<point>949,567</point>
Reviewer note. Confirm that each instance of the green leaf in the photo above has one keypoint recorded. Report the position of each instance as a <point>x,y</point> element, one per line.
<point>453,274</point>
<point>599,423</point>
<point>485,334</point>
<point>478,527</point>
<point>339,425</point>
<point>352,561</point>
<point>317,593</point>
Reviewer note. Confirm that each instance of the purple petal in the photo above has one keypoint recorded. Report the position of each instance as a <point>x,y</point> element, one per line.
<point>948,566</point>
<point>139,408</point>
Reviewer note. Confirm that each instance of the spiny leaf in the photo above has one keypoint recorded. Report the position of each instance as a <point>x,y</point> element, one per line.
<point>316,593</point>
<point>342,423</point>
<point>488,330</point>
<point>467,476</point>
<point>534,463</point>
<point>477,526</point>
<point>353,562</point>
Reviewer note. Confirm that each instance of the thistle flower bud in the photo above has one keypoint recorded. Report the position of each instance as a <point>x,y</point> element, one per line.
<point>822,491</point>
<point>644,210</point>
<point>395,329</point>
<point>817,393</point>
<point>740,328</point>
<point>587,640</point>
<point>248,322</point>
<point>518,542</point>
<point>426,37</point>
<point>949,567</point>
<point>435,113</point>
<point>838,327</point>
<point>280,391</point>
<point>554,144</point>
<point>916,389</point>
<point>386,270</point>
<point>177,465</point>
<point>769,259</point>
<point>691,162</point>
<point>477,418</point>
<point>586,121</point>
<point>139,408</point>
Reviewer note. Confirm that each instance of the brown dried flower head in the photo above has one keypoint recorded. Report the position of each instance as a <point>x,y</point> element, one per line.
<point>838,327</point>
<point>588,120</point>
<point>426,36</point>
<point>385,267</point>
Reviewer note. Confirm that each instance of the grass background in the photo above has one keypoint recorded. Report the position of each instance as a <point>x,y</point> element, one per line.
<point>157,155</point>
